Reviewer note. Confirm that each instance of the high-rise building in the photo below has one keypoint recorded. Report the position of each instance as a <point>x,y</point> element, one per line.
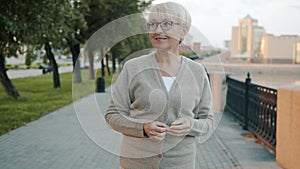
<point>245,42</point>
<point>251,42</point>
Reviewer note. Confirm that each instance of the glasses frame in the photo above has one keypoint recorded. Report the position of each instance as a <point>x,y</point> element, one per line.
<point>160,23</point>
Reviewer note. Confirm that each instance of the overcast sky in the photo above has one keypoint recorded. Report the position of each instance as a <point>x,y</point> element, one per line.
<point>215,18</point>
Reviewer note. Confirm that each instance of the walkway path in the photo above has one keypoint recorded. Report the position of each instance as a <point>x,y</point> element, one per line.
<point>58,141</point>
<point>19,73</point>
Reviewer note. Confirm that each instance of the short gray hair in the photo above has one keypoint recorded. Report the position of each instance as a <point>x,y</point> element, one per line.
<point>172,10</point>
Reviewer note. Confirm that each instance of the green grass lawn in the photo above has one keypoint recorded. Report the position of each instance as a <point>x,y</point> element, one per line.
<point>39,97</point>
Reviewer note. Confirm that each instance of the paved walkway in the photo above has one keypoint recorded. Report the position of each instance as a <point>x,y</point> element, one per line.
<point>76,137</point>
<point>20,73</point>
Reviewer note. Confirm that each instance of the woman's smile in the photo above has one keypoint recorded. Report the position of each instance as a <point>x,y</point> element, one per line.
<point>160,38</point>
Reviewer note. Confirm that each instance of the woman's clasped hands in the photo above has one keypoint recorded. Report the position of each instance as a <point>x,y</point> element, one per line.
<point>157,131</point>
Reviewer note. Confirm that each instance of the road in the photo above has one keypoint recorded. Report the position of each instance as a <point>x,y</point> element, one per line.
<point>18,73</point>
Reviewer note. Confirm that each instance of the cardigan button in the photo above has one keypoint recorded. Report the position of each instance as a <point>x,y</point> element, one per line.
<point>160,155</point>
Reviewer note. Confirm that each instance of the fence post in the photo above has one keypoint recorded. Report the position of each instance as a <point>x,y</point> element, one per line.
<point>246,118</point>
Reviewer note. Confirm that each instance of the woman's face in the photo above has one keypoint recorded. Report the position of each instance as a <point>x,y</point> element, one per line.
<point>165,33</point>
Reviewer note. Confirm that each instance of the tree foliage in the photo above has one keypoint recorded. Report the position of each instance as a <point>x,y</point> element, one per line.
<point>32,24</point>
<point>103,12</point>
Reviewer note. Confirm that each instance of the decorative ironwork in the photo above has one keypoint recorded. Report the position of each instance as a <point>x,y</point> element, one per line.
<point>234,97</point>
<point>255,107</point>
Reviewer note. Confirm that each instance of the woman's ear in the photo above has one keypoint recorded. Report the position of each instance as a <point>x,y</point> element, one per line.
<point>182,35</point>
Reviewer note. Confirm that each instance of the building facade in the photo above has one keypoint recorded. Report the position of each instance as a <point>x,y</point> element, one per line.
<point>251,42</point>
<point>234,42</point>
<point>280,49</point>
<point>296,52</point>
<point>227,44</point>
<point>246,38</point>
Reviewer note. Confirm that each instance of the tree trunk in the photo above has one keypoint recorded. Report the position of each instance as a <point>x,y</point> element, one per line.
<point>107,65</point>
<point>75,50</point>
<point>102,68</point>
<point>102,62</point>
<point>91,65</point>
<point>113,58</point>
<point>5,81</point>
<point>54,66</point>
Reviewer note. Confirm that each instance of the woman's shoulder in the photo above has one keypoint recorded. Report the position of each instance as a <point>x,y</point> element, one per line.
<point>140,59</point>
<point>139,62</point>
<point>195,66</point>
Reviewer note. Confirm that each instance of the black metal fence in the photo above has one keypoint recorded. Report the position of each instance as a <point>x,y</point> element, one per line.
<point>255,108</point>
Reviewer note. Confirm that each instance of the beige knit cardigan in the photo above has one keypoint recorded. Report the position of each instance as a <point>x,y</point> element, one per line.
<point>139,95</point>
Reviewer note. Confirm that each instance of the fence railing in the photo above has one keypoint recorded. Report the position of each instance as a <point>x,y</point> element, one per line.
<point>254,106</point>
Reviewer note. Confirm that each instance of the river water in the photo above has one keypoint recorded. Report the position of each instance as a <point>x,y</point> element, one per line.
<point>269,75</point>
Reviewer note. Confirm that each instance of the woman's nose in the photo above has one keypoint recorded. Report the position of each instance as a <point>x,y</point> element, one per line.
<point>158,30</point>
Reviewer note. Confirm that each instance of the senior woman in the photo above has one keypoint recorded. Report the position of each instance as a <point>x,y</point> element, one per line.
<point>161,101</point>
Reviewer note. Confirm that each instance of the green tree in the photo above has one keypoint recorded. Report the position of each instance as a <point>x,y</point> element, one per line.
<point>51,29</point>
<point>128,46</point>
<point>30,56</point>
<point>102,12</point>
<point>76,24</point>
<point>38,23</point>
<point>15,20</point>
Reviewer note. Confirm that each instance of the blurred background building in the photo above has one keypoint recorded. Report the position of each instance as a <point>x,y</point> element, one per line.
<point>279,49</point>
<point>250,42</point>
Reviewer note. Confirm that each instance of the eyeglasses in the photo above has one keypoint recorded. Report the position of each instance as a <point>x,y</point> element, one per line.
<point>164,25</point>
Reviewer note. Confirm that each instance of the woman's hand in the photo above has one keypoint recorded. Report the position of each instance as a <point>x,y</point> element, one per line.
<point>155,130</point>
<point>180,127</point>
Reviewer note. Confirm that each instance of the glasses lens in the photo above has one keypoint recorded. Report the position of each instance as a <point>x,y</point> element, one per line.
<point>166,25</point>
<point>152,26</point>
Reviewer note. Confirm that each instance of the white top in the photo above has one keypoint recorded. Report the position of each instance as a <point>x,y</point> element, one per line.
<point>168,82</point>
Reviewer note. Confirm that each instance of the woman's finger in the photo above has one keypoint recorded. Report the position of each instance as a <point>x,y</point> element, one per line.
<point>158,137</point>
<point>160,130</point>
<point>180,127</point>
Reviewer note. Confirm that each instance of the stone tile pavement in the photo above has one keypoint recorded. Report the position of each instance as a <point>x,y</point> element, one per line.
<point>75,137</point>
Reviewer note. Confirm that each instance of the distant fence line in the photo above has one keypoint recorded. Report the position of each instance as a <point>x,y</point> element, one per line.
<point>255,108</point>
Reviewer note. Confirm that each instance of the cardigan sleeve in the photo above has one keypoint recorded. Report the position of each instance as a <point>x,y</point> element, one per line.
<point>117,114</point>
<point>203,122</point>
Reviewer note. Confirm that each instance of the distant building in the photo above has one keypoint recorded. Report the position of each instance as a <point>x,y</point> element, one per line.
<point>234,42</point>
<point>227,44</point>
<point>296,53</point>
<point>246,38</point>
<point>197,47</point>
<point>249,36</point>
<point>251,42</point>
<point>280,49</point>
